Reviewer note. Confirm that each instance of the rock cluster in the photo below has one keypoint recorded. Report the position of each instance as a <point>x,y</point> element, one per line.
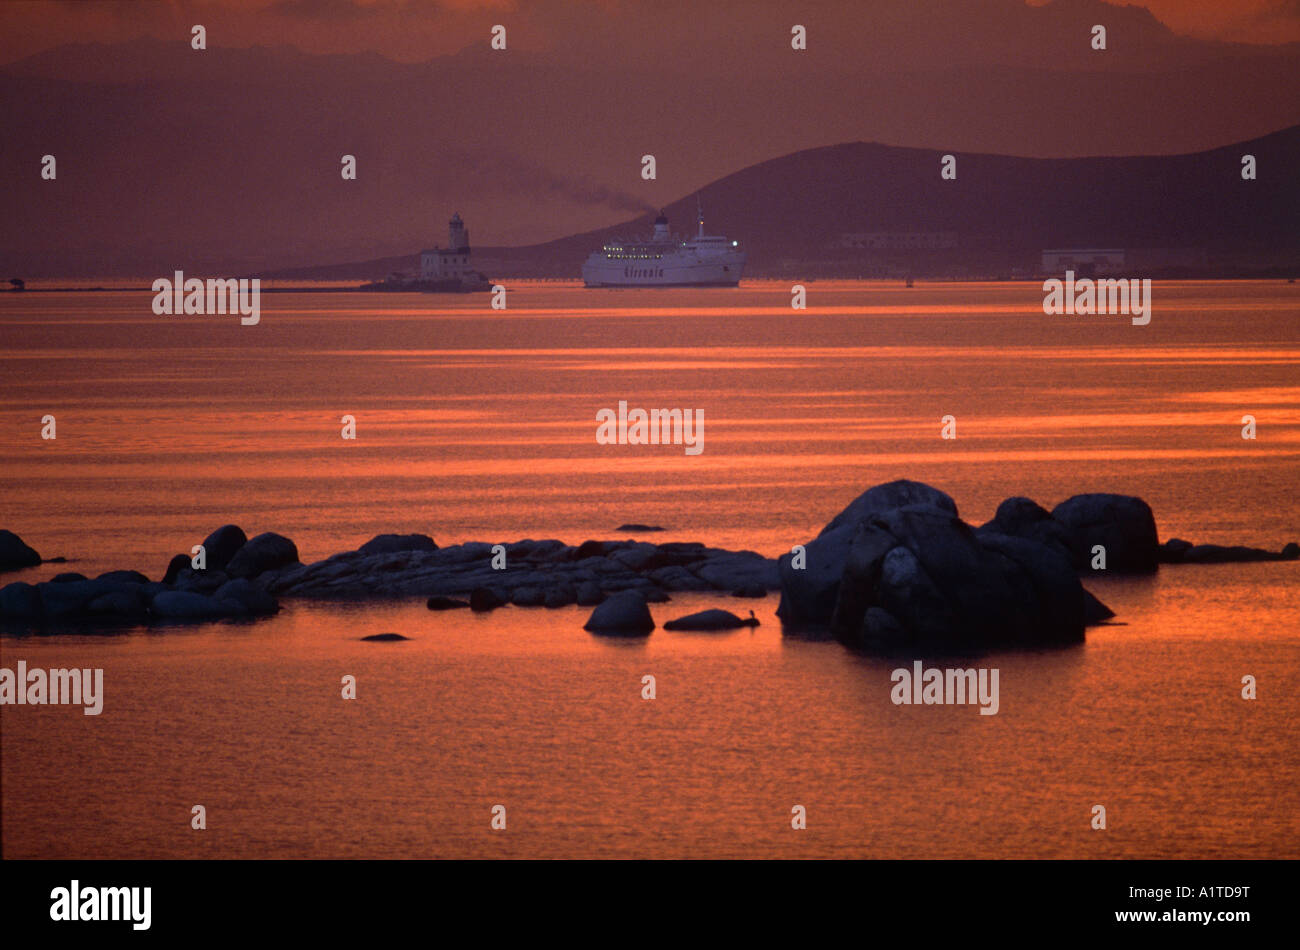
<point>243,577</point>
<point>899,571</point>
<point>536,573</point>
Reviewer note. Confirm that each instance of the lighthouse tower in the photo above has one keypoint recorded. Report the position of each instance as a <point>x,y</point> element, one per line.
<point>457,235</point>
<point>443,263</point>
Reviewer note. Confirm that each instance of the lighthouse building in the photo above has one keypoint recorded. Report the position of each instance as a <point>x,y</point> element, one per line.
<point>443,263</point>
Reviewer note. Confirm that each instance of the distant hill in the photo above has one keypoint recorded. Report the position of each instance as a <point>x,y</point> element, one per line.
<point>1190,212</point>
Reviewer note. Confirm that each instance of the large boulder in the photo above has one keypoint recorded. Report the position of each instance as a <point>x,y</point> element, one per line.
<point>178,563</point>
<point>898,570</point>
<point>1024,518</point>
<point>622,614</point>
<point>14,552</point>
<point>809,592</point>
<point>262,553</point>
<point>1122,524</point>
<point>919,579</point>
<point>222,545</point>
<point>19,601</point>
<point>392,543</point>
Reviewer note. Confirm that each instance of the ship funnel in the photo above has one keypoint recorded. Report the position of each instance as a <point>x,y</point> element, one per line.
<point>661,227</point>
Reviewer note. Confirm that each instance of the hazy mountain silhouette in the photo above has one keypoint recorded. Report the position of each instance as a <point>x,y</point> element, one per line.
<point>228,159</point>
<point>791,212</point>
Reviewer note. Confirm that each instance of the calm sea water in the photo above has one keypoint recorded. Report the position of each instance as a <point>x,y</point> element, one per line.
<point>480,425</point>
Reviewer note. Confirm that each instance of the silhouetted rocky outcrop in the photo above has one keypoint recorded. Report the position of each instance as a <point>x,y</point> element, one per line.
<point>15,554</point>
<point>898,570</point>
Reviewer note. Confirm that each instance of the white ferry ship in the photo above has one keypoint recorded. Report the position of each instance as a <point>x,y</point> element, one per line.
<point>666,260</point>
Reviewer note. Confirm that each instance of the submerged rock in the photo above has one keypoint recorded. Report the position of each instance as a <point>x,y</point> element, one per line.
<point>711,620</point>
<point>1237,554</point>
<point>385,637</point>
<point>622,614</point>
<point>15,553</point>
<point>638,527</point>
<point>445,603</point>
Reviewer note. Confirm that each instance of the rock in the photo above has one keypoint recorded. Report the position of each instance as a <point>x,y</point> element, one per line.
<point>1219,554</point>
<point>590,549</point>
<point>222,545</point>
<point>67,577</point>
<point>133,577</point>
<point>918,578</point>
<point>561,596</point>
<point>15,553</point>
<point>71,599</point>
<point>1291,551</point>
<point>200,582</point>
<point>1094,611</point>
<point>589,594</point>
<point>186,605</point>
<point>728,570</point>
<point>636,556</point>
<point>882,633</point>
<point>445,603</point>
<point>19,601</point>
<point>1024,518</point>
<point>750,590</point>
<point>527,597</point>
<point>385,637</point>
<point>119,605</point>
<point>711,620</point>
<point>638,527</point>
<point>485,598</point>
<point>246,598</point>
<point>181,562</point>
<point>622,614</point>
<point>808,594</point>
<point>392,543</point>
<point>1173,551</point>
<point>1122,524</point>
<point>262,553</point>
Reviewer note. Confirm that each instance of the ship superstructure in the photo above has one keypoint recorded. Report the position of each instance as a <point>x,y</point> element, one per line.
<point>665,260</point>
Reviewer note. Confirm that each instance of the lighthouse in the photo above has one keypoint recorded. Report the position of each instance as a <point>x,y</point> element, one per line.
<point>457,235</point>
<point>452,261</point>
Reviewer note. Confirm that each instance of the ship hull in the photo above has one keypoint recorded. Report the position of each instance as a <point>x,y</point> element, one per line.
<point>600,271</point>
